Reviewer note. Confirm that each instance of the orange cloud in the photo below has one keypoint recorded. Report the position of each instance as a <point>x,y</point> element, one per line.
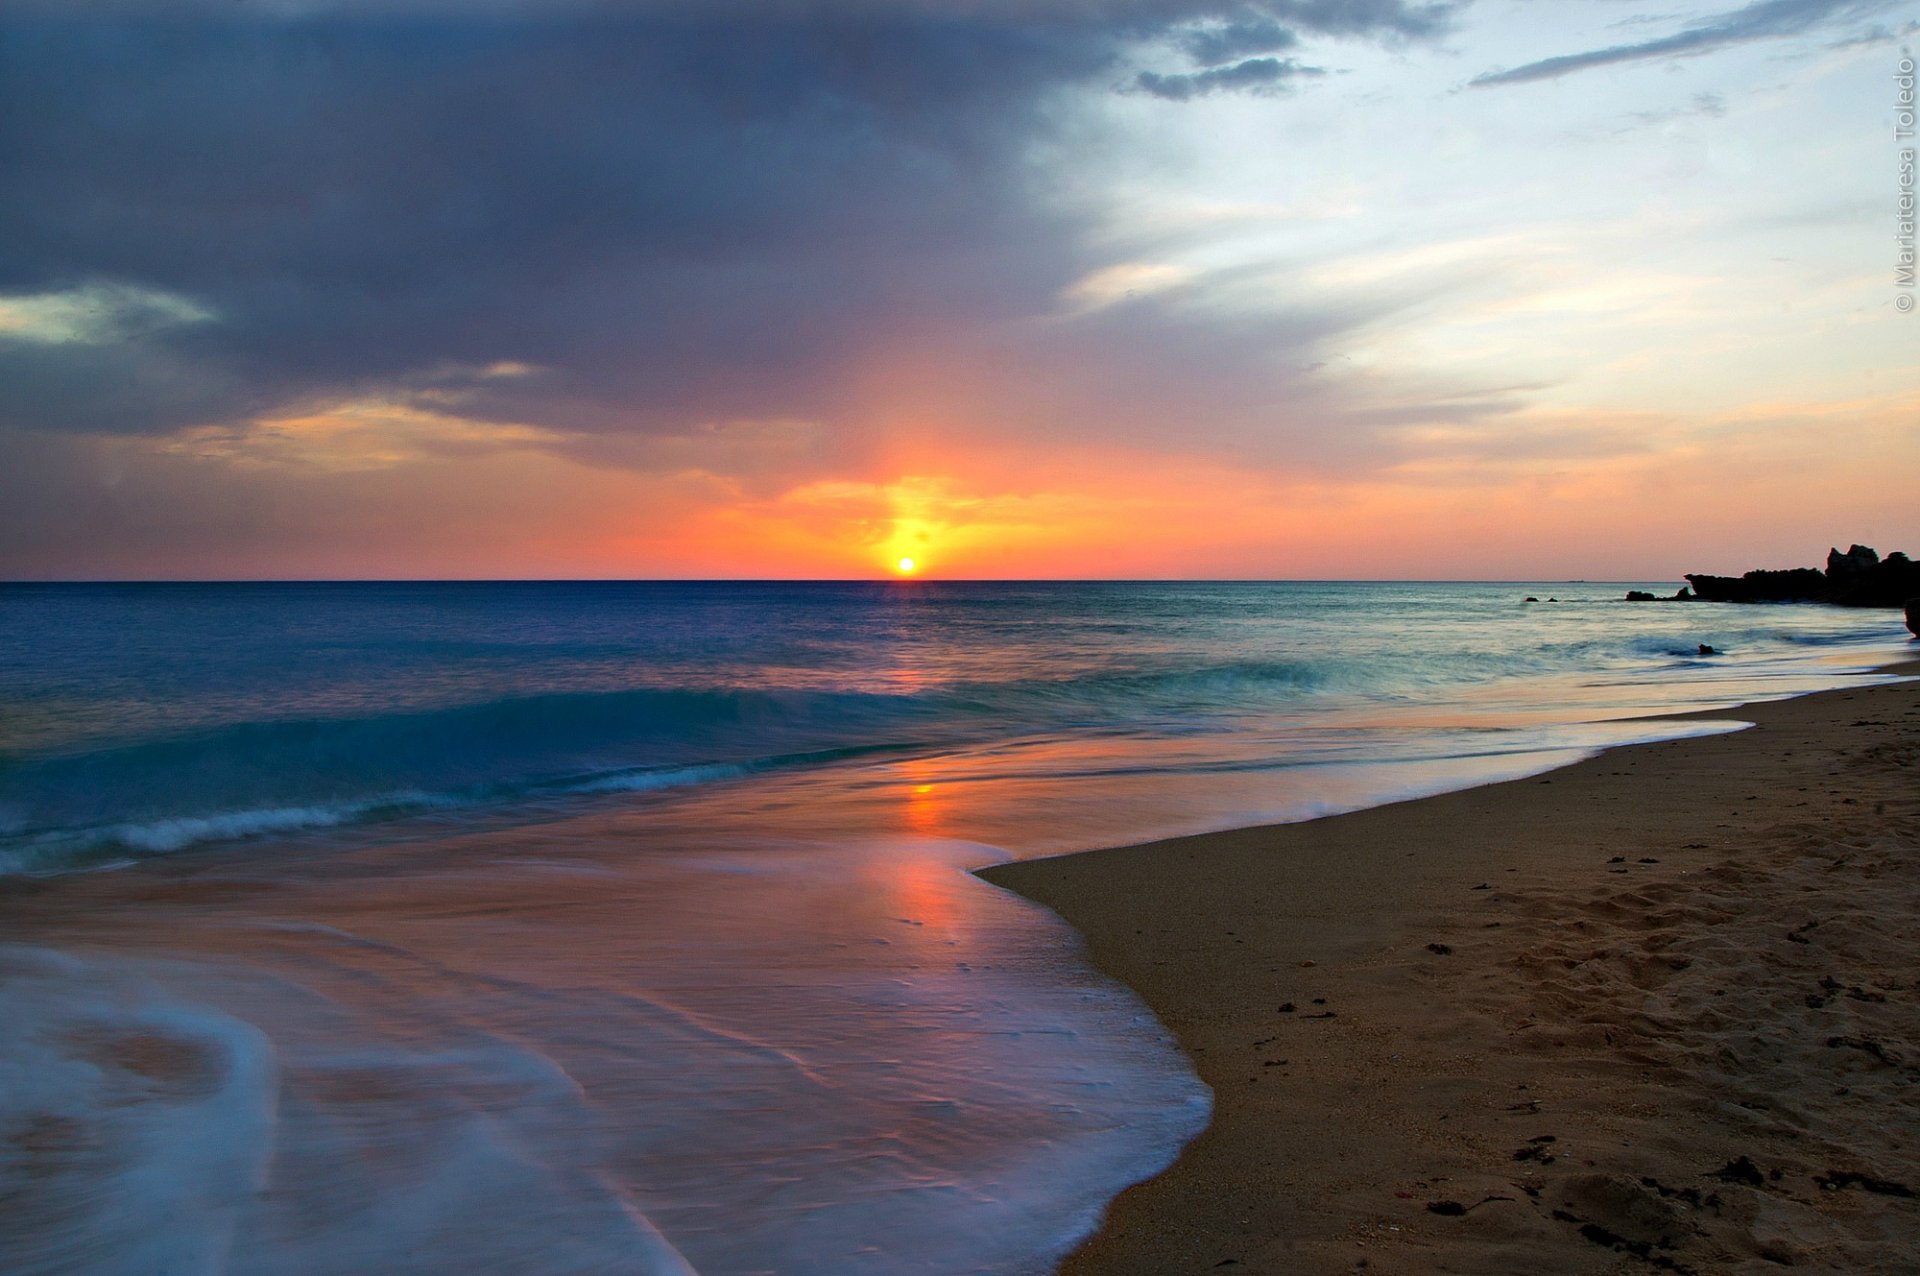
<point>374,490</point>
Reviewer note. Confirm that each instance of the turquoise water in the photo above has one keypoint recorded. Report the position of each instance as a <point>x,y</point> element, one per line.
<point>628,927</point>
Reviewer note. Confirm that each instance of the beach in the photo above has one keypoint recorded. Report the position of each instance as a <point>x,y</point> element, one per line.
<point>1654,1010</point>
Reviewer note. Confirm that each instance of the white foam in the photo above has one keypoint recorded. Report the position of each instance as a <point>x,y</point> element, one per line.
<point>144,1133</point>
<point>161,836</point>
<point>855,1059</point>
<point>139,1126</point>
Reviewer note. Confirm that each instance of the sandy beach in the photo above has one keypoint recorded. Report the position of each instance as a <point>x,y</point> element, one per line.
<point>1653,1011</point>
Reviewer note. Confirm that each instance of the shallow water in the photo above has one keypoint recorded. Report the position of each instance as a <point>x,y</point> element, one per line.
<point>628,928</point>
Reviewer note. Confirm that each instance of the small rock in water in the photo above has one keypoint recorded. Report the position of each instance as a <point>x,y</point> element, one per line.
<point>1707,651</point>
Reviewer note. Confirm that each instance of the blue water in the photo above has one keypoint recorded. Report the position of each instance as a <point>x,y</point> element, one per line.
<point>557,928</point>
<point>144,718</point>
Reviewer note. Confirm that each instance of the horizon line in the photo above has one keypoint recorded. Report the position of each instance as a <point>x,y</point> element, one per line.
<point>904,581</point>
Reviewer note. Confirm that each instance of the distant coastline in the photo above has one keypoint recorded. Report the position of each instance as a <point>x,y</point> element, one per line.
<point>1857,578</point>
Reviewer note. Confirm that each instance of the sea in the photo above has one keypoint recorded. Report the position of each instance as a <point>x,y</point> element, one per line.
<point>560,928</point>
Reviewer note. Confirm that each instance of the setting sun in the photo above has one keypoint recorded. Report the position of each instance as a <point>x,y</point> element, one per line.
<point>906,566</point>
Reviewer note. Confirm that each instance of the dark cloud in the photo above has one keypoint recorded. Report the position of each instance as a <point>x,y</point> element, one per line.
<point>1216,45</point>
<point>676,212</point>
<point>1762,20</point>
<point>1254,75</point>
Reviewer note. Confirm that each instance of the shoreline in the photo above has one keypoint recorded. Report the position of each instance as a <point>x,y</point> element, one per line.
<point>1560,1023</point>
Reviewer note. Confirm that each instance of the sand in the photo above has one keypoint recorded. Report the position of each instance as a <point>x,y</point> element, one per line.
<point>1654,1011</point>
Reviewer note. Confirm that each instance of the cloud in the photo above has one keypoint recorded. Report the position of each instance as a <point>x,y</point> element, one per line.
<point>93,315</point>
<point>677,213</point>
<point>1879,33</point>
<point>104,351</point>
<point>1216,45</point>
<point>1706,105</point>
<point>1259,75</point>
<point>1234,53</point>
<point>1761,20</point>
<point>1367,17</point>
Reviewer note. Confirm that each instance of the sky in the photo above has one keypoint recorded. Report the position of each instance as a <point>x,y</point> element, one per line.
<point>1495,289</point>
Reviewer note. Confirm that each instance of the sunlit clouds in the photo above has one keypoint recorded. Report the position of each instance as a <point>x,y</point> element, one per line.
<point>1467,290</point>
<point>92,315</point>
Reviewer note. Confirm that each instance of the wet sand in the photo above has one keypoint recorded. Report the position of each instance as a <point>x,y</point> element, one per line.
<point>1653,1011</point>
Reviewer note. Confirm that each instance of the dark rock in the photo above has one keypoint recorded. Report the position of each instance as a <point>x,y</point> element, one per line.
<point>1529,599</point>
<point>1707,651</point>
<point>1640,596</point>
<point>1797,585</point>
<point>1858,561</point>
<point>1857,578</point>
<point>1861,578</point>
<point>1742,1170</point>
<point>1913,616</point>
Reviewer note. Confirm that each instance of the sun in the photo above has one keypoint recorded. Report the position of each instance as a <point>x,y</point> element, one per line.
<point>906,566</point>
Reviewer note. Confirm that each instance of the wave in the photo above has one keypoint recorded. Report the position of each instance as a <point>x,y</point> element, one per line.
<point>53,850</point>
<point>252,778</point>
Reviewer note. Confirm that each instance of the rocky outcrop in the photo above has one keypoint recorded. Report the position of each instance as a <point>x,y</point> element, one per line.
<point>1913,616</point>
<point>1857,578</point>
<point>1859,561</point>
<point>1795,585</point>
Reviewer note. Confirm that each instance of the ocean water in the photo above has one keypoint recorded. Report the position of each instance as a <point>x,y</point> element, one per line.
<point>558,928</point>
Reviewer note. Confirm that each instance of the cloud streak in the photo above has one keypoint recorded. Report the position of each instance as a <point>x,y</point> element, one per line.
<point>1256,75</point>
<point>1761,20</point>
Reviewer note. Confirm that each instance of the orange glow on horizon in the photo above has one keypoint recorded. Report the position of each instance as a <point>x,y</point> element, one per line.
<point>508,502</point>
